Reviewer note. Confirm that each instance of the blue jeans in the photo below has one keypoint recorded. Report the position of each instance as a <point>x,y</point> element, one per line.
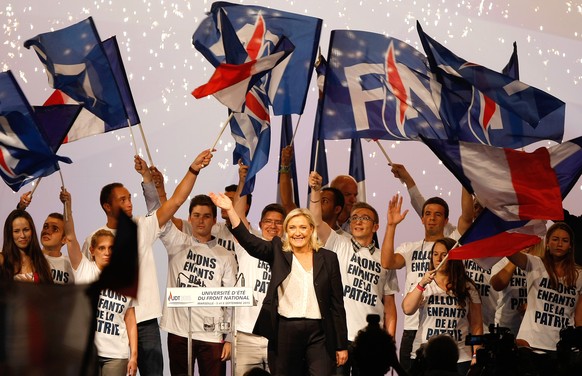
<point>150,361</point>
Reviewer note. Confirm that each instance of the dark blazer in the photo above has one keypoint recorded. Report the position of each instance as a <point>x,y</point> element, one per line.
<point>326,280</point>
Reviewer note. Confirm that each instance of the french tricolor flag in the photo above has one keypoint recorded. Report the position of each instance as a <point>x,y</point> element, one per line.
<point>231,82</point>
<point>514,185</point>
<point>508,182</point>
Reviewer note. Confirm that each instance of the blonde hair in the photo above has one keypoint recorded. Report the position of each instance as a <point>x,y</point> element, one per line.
<point>313,241</point>
<point>99,234</point>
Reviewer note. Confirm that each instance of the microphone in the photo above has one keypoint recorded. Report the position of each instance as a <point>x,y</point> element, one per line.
<point>241,278</point>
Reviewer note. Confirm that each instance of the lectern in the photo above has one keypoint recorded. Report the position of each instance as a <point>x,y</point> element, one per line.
<point>192,297</point>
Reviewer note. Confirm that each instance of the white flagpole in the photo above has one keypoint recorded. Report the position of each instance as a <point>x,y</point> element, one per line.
<point>35,187</point>
<point>446,257</point>
<point>132,138</point>
<point>62,180</point>
<point>222,130</point>
<point>65,204</point>
<point>145,142</point>
<point>295,131</point>
<point>384,152</point>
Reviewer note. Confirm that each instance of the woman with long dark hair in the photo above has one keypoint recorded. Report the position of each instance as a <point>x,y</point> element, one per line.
<point>22,258</point>
<point>554,285</point>
<point>448,302</point>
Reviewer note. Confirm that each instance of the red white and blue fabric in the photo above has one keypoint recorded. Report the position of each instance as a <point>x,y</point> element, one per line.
<point>377,87</point>
<point>356,168</point>
<point>484,106</point>
<point>230,82</point>
<point>490,249</point>
<point>89,72</point>
<point>235,34</point>
<point>24,152</point>
<point>260,29</point>
<point>251,129</point>
<point>492,236</point>
<point>514,185</point>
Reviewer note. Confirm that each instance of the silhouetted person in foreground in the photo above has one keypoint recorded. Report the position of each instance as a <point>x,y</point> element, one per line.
<point>257,371</point>
<point>375,350</point>
<point>440,356</point>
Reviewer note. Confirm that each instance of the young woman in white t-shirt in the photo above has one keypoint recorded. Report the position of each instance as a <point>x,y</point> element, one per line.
<point>116,329</point>
<point>554,284</point>
<point>448,302</point>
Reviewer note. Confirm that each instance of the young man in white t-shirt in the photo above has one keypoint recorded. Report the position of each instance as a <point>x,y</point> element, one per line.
<point>414,256</point>
<point>197,260</point>
<point>114,198</point>
<point>52,239</point>
<point>368,288</point>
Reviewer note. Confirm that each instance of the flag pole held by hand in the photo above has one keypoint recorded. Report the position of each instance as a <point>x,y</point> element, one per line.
<point>65,211</point>
<point>35,187</point>
<point>295,131</point>
<point>384,152</point>
<point>222,130</point>
<point>145,142</point>
<point>132,138</point>
<point>446,257</point>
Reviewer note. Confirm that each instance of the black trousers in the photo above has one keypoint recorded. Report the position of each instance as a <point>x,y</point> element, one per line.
<point>300,349</point>
<point>207,354</point>
<point>406,348</point>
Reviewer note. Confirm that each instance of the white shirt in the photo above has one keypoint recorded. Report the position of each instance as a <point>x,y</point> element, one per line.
<point>111,337</point>
<point>416,259</point>
<point>148,305</point>
<point>489,297</point>
<point>257,275</point>
<point>440,313</point>
<point>297,297</point>
<point>511,298</point>
<point>194,264</point>
<point>548,310</point>
<point>365,282</point>
<point>61,269</point>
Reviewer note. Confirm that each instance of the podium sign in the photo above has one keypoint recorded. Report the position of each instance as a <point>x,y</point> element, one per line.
<point>209,297</point>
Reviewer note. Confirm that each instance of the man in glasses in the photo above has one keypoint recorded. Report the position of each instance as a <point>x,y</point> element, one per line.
<point>368,288</point>
<point>251,349</point>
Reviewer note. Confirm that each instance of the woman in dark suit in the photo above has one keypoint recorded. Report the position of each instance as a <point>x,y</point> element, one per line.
<point>303,314</point>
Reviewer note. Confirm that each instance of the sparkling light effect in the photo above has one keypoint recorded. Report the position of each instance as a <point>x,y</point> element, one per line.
<point>163,68</point>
